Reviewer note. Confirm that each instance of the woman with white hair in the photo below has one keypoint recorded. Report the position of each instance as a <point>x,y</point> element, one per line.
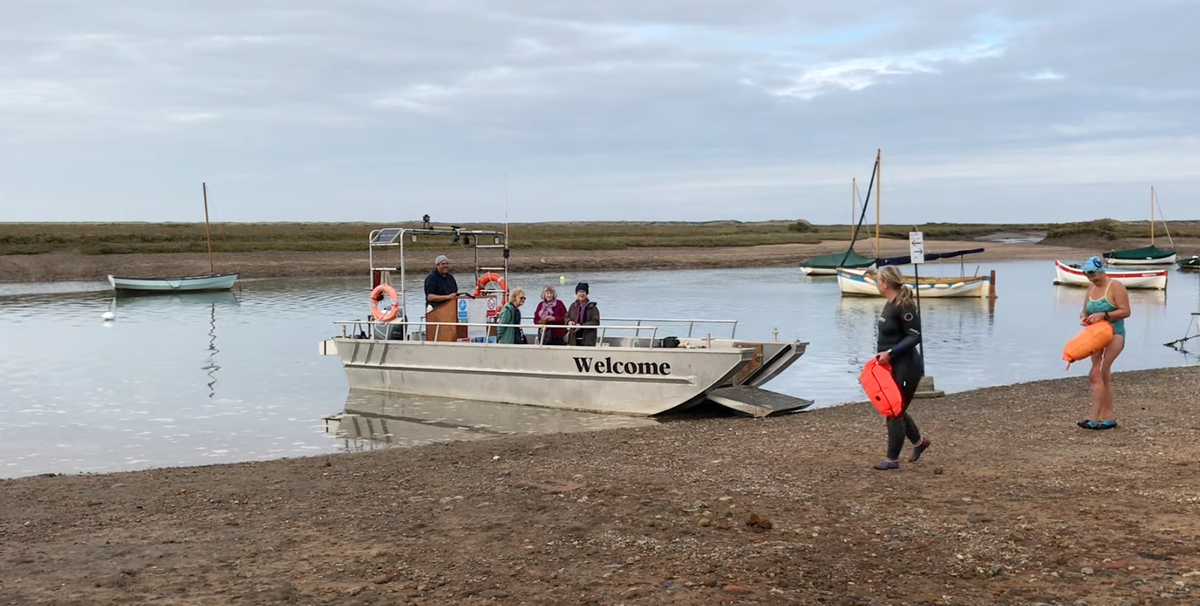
<point>551,312</point>
<point>511,314</point>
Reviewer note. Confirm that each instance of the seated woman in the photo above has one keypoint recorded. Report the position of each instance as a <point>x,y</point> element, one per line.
<point>511,314</point>
<point>582,312</point>
<point>551,312</point>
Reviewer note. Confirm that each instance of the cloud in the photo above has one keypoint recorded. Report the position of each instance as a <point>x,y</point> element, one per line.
<point>672,109</point>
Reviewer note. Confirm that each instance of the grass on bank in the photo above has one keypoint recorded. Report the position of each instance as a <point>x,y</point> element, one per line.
<point>116,238</point>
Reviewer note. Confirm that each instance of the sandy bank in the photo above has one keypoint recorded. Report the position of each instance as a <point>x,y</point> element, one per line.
<point>1013,504</point>
<point>52,267</point>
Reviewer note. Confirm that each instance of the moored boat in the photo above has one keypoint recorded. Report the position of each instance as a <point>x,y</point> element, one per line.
<point>1072,275</point>
<point>856,282</point>
<point>1191,263</point>
<point>210,282</point>
<point>185,284</point>
<point>826,265</point>
<point>1148,255</point>
<point>635,368</point>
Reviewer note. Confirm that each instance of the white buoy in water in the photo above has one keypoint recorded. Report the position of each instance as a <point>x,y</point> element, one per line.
<point>108,316</point>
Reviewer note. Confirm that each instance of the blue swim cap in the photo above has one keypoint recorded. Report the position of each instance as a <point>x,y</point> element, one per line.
<point>1092,265</point>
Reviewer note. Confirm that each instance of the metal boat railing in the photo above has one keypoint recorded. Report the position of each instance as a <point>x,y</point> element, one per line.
<point>354,327</point>
<point>691,323</point>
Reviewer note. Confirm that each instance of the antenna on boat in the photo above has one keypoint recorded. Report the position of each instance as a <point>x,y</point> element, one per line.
<point>207,237</point>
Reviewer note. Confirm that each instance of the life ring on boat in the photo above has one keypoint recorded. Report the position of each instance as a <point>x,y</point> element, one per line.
<point>377,296</point>
<point>488,278</point>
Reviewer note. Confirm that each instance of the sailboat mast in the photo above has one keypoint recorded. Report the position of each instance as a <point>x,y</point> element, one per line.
<point>853,207</point>
<point>878,197</point>
<point>1151,215</point>
<point>207,236</point>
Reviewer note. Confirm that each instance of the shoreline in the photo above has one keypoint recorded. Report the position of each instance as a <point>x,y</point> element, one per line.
<point>72,266</point>
<point>1012,504</point>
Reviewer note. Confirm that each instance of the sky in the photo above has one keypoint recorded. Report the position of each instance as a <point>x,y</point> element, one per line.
<point>539,110</point>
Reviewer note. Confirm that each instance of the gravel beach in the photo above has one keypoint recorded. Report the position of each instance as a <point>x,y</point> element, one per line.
<point>1013,504</point>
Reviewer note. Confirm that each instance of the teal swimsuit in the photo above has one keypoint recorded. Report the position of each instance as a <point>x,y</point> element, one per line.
<point>1101,305</point>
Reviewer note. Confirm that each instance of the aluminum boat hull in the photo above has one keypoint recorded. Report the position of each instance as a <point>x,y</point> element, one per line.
<point>638,381</point>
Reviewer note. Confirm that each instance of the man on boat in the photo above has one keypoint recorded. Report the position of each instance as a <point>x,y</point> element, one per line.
<point>440,285</point>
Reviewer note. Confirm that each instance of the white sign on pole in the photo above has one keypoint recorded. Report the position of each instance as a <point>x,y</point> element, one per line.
<point>916,246</point>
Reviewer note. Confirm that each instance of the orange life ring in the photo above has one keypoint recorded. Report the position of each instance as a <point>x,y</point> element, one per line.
<point>492,277</point>
<point>377,296</point>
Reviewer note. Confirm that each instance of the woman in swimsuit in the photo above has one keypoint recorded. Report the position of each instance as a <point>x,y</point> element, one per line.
<point>1106,301</point>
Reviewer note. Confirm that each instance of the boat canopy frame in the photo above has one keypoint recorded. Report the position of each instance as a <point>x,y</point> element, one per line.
<point>389,237</point>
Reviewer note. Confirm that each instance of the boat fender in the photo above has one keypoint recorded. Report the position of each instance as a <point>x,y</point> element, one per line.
<point>488,278</point>
<point>881,388</point>
<point>377,296</point>
<point>1093,338</point>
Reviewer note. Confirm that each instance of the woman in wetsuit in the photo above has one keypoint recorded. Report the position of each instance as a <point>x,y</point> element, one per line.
<point>899,334</point>
<point>1106,301</point>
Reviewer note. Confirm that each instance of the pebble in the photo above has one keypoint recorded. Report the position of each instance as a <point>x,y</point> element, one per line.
<point>1087,570</point>
<point>736,589</point>
<point>705,522</point>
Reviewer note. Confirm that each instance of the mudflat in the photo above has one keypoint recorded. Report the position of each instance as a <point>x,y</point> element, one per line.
<point>60,266</point>
<point>1012,504</point>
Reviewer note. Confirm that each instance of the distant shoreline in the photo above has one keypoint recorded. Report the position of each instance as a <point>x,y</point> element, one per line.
<point>69,266</point>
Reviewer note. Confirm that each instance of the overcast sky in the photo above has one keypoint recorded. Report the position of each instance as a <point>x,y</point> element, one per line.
<point>383,110</point>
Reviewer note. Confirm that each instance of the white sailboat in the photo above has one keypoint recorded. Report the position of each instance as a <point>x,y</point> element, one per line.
<point>212,281</point>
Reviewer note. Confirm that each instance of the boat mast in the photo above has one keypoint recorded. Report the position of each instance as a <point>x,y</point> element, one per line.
<point>1151,215</point>
<point>207,236</point>
<point>853,199</point>
<point>878,196</point>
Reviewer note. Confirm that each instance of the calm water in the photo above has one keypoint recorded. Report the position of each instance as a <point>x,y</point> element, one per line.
<point>213,378</point>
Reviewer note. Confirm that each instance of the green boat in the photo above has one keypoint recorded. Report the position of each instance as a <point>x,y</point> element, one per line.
<point>1191,263</point>
<point>827,265</point>
<point>1148,255</point>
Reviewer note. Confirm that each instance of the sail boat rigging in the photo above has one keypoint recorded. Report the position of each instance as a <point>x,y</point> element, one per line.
<point>1149,255</point>
<point>212,281</point>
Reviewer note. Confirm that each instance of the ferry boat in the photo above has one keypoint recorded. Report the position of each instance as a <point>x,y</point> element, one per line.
<point>639,367</point>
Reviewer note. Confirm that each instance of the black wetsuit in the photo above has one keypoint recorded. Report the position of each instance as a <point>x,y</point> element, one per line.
<point>900,332</point>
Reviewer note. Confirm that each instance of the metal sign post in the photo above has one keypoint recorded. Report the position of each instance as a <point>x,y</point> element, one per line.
<point>916,251</point>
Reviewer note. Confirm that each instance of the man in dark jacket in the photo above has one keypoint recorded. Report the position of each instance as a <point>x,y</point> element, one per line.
<point>440,285</point>
<point>582,313</point>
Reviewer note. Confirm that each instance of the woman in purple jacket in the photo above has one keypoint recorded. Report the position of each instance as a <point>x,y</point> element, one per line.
<point>551,312</point>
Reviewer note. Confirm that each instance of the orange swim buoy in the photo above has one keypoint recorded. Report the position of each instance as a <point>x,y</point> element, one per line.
<point>377,296</point>
<point>1093,338</point>
<point>881,388</point>
<point>489,277</point>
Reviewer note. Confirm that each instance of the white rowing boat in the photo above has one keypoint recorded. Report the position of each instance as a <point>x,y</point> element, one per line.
<point>857,282</point>
<point>1071,275</point>
<point>184,284</point>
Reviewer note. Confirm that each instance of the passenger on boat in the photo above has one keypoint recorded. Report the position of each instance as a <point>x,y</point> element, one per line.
<point>440,285</point>
<point>511,314</point>
<point>551,312</point>
<point>897,340</point>
<point>1111,306</point>
<point>582,312</point>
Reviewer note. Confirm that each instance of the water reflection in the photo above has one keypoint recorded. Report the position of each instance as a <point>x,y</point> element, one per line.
<point>378,420</point>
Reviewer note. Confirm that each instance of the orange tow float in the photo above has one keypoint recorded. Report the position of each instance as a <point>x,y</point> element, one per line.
<point>1093,338</point>
<point>881,388</point>
<point>377,296</point>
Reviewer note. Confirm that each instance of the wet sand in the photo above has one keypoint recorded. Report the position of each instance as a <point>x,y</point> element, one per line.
<point>54,267</point>
<point>1013,504</point>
